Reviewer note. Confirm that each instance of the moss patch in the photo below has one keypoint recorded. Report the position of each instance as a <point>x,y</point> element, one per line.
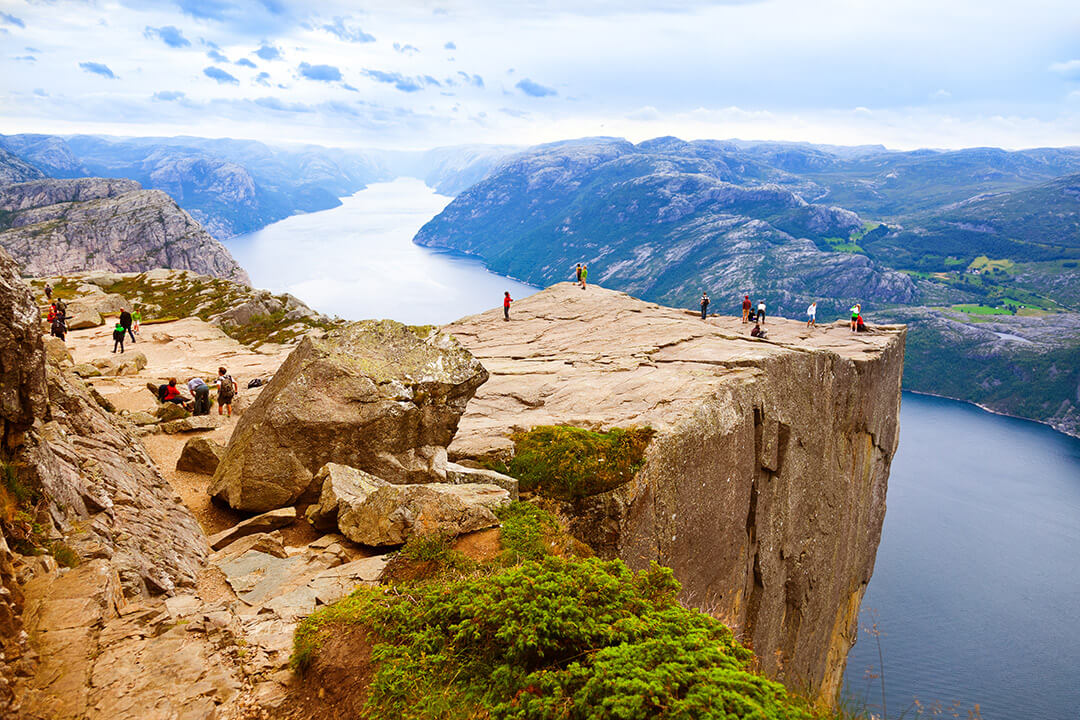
<point>567,463</point>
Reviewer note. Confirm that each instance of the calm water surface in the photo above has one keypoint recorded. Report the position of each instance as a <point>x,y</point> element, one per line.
<point>976,589</point>
<point>358,260</point>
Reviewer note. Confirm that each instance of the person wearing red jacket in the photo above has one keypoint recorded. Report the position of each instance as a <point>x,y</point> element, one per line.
<point>506,305</point>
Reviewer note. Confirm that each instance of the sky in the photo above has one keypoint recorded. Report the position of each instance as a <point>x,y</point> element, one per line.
<point>418,74</point>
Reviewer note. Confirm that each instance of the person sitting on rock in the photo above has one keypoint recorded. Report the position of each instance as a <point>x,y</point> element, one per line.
<point>227,388</point>
<point>860,326</point>
<point>118,337</point>
<point>758,331</point>
<point>172,395</point>
<point>201,392</point>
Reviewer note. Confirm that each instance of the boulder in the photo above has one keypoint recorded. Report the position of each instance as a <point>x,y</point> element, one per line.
<point>267,522</point>
<point>81,317</point>
<point>103,279</point>
<point>141,418</point>
<point>463,475</point>
<point>200,455</point>
<point>374,395</point>
<point>86,370</point>
<point>120,363</point>
<point>167,412</point>
<point>389,514</point>
<point>56,351</point>
<point>192,423</point>
<point>340,485</point>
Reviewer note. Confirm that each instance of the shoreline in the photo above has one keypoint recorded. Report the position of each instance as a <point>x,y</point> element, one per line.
<point>992,411</point>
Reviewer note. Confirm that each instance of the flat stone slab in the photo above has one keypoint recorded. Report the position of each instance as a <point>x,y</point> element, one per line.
<point>195,423</point>
<point>268,521</point>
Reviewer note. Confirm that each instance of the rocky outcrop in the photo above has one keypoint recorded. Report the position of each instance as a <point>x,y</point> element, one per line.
<point>57,226</point>
<point>374,512</point>
<point>375,395</point>
<point>764,486</point>
<point>15,170</point>
<point>200,455</point>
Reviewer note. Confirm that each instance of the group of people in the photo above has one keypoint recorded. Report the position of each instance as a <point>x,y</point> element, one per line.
<point>127,324</point>
<point>56,317</point>
<point>200,392</point>
<point>582,274</point>
<point>757,315</point>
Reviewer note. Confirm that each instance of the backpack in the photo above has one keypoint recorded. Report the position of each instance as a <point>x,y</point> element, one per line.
<point>227,388</point>
<point>255,383</point>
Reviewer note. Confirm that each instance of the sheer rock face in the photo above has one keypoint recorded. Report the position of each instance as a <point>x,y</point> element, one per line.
<point>374,395</point>
<point>58,226</point>
<point>764,488</point>
<point>105,496</point>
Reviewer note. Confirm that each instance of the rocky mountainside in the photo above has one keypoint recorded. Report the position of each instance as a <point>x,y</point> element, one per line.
<point>660,225</point>
<point>764,494</point>
<point>15,170</point>
<point>58,226</point>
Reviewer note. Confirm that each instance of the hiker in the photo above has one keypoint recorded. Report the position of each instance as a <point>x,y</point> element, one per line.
<point>170,394</point>
<point>136,318</point>
<point>201,392</point>
<point>746,308</point>
<point>584,275</point>
<point>704,304</point>
<point>506,305</point>
<point>860,326</point>
<point>577,274</point>
<point>758,331</point>
<point>118,337</point>
<point>856,309</point>
<point>48,291</point>
<point>811,315</point>
<point>761,311</point>
<point>58,325</point>
<point>227,388</point>
<point>51,315</point>
<point>125,322</point>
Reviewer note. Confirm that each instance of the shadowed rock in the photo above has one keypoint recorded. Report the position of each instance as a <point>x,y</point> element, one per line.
<point>200,455</point>
<point>375,395</point>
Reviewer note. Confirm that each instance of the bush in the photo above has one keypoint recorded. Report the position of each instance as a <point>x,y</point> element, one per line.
<point>524,527</point>
<point>561,639</point>
<point>567,463</point>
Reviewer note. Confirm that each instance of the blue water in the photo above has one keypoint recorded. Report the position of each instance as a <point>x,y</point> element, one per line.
<point>976,590</point>
<point>358,260</point>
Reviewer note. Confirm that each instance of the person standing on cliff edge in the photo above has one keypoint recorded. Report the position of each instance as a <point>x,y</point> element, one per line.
<point>761,311</point>
<point>811,315</point>
<point>577,274</point>
<point>746,308</point>
<point>506,305</point>
<point>584,275</point>
<point>704,304</point>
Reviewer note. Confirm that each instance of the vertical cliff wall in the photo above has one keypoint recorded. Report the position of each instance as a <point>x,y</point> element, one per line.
<point>764,488</point>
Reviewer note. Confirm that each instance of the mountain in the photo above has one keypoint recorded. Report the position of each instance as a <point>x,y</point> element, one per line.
<point>54,226</point>
<point>15,170</point>
<point>663,223</point>
<point>234,187</point>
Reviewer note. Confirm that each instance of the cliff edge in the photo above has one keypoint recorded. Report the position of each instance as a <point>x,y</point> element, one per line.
<point>764,486</point>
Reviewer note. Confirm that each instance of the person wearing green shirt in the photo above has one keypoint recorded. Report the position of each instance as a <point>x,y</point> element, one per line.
<point>136,316</point>
<point>584,275</point>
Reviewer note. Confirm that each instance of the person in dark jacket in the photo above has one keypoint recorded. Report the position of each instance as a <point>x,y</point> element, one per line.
<point>201,392</point>
<point>118,337</point>
<point>704,305</point>
<point>125,322</point>
<point>58,327</point>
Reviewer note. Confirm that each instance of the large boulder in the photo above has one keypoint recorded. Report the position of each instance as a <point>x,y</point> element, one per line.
<point>200,455</point>
<point>374,395</point>
<point>374,512</point>
<point>120,363</point>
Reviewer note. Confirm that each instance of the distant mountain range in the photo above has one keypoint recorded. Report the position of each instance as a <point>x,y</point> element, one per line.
<point>237,186</point>
<point>977,248</point>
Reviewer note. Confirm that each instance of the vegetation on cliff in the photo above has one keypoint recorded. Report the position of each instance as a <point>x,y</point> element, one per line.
<point>548,637</point>
<point>566,463</point>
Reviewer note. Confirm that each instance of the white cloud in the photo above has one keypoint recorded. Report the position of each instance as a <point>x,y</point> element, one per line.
<point>1069,69</point>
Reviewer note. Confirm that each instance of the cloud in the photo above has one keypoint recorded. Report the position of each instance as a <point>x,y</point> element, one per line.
<point>520,114</point>
<point>534,89</point>
<point>169,95</point>
<point>268,52</point>
<point>244,62</point>
<point>12,20</point>
<point>404,83</point>
<point>474,80</point>
<point>349,87</point>
<point>263,78</point>
<point>450,45</point>
<point>217,56</point>
<point>1070,69</point>
<point>406,49</point>
<point>272,103</point>
<point>345,32</point>
<point>222,77</point>
<point>25,58</point>
<point>168,34</point>
<point>941,94</point>
<point>644,114</point>
<point>204,9</point>
<point>322,73</point>
<point>98,69</point>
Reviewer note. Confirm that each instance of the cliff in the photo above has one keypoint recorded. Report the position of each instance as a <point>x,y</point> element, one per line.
<point>764,486</point>
<point>58,226</point>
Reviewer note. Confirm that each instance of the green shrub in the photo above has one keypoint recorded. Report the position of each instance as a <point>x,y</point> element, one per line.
<point>524,527</point>
<point>561,639</point>
<point>567,463</point>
